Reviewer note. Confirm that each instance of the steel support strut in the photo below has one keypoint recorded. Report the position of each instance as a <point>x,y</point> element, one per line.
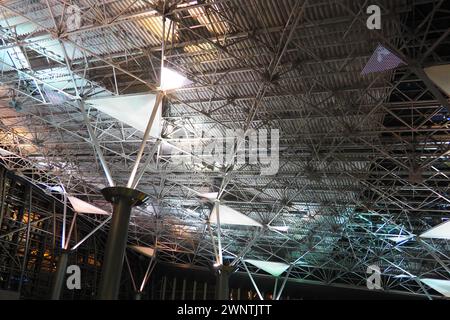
<point>60,275</point>
<point>123,199</point>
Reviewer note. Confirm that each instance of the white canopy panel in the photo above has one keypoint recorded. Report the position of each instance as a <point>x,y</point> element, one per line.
<point>4,152</point>
<point>209,195</point>
<point>134,110</point>
<point>441,286</point>
<point>59,189</point>
<point>146,251</point>
<point>228,215</point>
<point>170,79</point>
<point>279,228</point>
<point>440,75</point>
<point>441,231</point>
<point>274,268</point>
<point>81,206</point>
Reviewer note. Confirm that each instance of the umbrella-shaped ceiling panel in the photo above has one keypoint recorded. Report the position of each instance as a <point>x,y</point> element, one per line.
<point>274,268</point>
<point>441,231</point>
<point>228,215</point>
<point>81,206</point>
<point>133,110</point>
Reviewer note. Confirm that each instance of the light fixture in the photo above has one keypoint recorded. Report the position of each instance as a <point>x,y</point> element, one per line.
<point>171,80</point>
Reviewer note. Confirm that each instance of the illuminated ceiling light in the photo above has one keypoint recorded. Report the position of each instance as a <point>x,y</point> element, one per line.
<point>274,268</point>
<point>146,251</point>
<point>81,206</point>
<point>4,152</point>
<point>441,231</point>
<point>171,80</point>
<point>441,286</point>
<point>228,215</point>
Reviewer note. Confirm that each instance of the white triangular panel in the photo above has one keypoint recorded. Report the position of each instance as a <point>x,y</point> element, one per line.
<point>81,206</point>
<point>440,75</point>
<point>133,110</point>
<point>441,286</point>
<point>441,231</point>
<point>209,195</point>
<point>399,238</point>
<point>59,189</point>
<point>274,268</point>
<point>279,228</point>
<point>228,215</point>
<point>4,152</point>
<point>146,251</point>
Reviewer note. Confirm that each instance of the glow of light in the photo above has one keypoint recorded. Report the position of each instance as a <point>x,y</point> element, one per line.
<point>171,80</point>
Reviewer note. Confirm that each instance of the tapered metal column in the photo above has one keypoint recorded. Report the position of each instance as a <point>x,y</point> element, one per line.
<point>60,274</point>
<point>2,194</point>
<point>123,199</point>
<point>222,283</point>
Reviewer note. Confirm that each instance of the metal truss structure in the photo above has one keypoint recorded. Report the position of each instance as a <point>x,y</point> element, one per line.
<point>362,158</point>
<point>31,225</point>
